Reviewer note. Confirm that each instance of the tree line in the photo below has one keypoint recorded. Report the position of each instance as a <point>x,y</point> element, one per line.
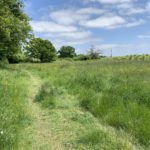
<point>17,41</point>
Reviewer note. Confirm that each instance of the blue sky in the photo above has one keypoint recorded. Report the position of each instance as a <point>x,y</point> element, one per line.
<point>120,25</point>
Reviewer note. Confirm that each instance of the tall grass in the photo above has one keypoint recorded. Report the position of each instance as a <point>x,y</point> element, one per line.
<point>48,94</point>
<point>98,139</point>
<point>13,113</point>
<point>118,95</point>
<point>144,57</point>
<point>116,92</point>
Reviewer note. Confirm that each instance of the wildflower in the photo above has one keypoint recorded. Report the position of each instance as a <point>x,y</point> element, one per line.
<point>1,132</point>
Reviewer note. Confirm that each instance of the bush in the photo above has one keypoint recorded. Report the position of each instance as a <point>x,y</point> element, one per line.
<point>82,57</point>
<point>16,58</point>
<point>33,60</point>
<point>41,49</point>
<point>94,54</point>
<point>4,62</point>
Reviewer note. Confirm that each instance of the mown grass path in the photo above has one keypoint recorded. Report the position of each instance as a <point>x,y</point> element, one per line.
<point>67,127</point>
<point>37,135</point>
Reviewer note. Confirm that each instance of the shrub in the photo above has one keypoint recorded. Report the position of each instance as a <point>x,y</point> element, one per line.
<point>82,57</point>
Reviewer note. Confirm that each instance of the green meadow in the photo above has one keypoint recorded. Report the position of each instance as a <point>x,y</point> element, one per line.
<point>95,105</point>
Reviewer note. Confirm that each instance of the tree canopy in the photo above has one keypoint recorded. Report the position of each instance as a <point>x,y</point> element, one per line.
<point>14,28</point>
<point>94,54</point>
<point>67,51</point>
<point>41,49</point>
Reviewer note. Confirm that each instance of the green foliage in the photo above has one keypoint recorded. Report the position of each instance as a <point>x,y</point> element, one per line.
<point>13,114</point>
<point>14,27</point>
<point>3,63</point>
<point>16,58</point>
<point>67,51</point>
<point>82,57</point>
<point>94,54</point>
<point>33,60</point>
<point>41,49</point>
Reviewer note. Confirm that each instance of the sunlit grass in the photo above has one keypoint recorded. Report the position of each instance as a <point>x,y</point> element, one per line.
<point>13,114</point>
<point>115,92</point>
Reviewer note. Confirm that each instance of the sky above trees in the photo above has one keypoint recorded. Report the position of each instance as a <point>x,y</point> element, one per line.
<point>120,25</point>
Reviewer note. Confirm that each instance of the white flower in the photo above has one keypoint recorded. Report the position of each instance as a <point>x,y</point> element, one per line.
<point>1,132</point>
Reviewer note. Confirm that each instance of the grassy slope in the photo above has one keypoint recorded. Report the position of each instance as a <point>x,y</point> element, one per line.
<point>116,93</point>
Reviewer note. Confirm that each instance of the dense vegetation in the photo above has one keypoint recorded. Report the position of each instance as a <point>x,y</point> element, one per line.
<point>42,50</point>
<point>144,57</point>
<point>67,51</point>
<point>14,85</point>
<point>14,29</point>
<point>101,104</point>
<point>115,92</point>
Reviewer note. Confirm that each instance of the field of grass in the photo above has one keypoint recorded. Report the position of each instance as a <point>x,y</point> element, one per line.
<point>144,57</point>
<point>91,105</point>
<point>13,106</point>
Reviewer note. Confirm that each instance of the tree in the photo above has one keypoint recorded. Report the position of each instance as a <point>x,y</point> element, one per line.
<point>14,28</point>
<point>41,49</point>
<point>93,53</point>
<point>67,51</point>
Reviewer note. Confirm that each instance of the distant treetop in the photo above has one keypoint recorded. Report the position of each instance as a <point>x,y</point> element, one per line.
<point>67,51</point>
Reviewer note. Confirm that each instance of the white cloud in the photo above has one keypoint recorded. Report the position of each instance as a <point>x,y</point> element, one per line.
<point>136,11</point>
<point>110,17</point>
<point>124,6</point>
<point>67,17</point>
<point>116,46</point>
<point>148,6</point>
<point>146,36</point>
<point>104,22</point>
<point>113,16</point>
<point>106,46</point>
<point>128,9</point>
<point>46,26</point>
<point>79,35</point>
<point>112,22</point>
<point>91,11</point>
<point>59,41</point>
<point>77,25</point>
<point>110,1</point>
<point>73,16</point>
<point>119,49</point>
<point>135,23</point>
